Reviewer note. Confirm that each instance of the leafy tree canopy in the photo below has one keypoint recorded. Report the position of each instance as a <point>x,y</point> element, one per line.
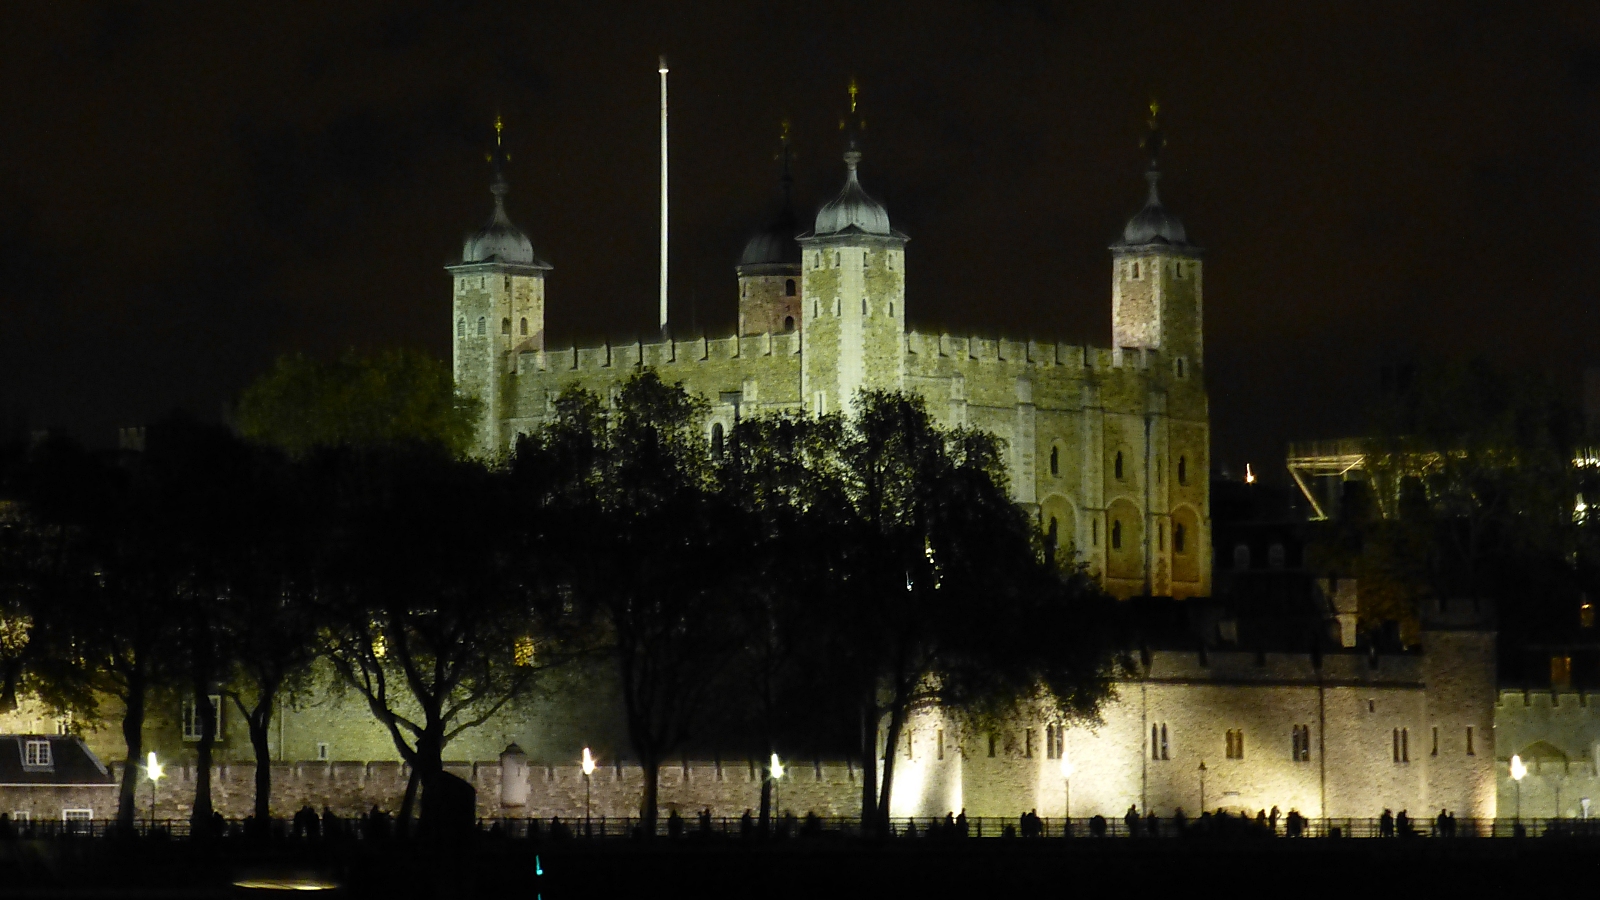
<point>397,396</point>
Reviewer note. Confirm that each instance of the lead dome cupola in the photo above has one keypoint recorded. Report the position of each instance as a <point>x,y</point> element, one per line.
<point>500,240</point>
<point>1154,224</point>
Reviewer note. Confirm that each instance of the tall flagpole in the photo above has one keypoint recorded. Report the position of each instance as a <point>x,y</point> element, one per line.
<point>663,70</point>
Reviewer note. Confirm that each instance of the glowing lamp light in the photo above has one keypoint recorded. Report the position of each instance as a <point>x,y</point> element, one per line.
<point>1249,476</point>
<point>588,762</point>
<point>1518,770</point>
<point>776,767</point>
<point>153,770</point>
<point>1067,768</point>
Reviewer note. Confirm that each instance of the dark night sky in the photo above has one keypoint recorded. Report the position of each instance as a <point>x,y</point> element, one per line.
<point>188,190</point>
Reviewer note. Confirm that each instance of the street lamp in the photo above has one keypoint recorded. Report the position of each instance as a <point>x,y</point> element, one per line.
<point>1066,784</point>
<point>1518,772</point>
<point>775,770</point>
<point>588,769</point>
<point>154,771</point>
<point>1202,786</point>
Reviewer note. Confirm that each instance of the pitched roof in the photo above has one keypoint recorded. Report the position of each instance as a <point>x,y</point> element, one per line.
<point>70,762</point>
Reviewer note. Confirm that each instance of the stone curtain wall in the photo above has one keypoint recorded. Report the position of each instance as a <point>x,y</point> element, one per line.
<point>350,788</point>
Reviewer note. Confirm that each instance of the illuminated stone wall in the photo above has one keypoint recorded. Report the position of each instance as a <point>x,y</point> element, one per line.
<point>1557,734</point>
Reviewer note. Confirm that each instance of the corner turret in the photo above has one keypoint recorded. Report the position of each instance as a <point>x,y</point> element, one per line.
<point>1156,277</point>
<point>769,268</point>
<point>498,304</point>
<point>853,292</point>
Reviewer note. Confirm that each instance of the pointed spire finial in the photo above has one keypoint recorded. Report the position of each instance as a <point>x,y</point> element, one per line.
<point>786,157</point>
<point>497,159</point>
<point>1153,142</point>
<point>852,125</point>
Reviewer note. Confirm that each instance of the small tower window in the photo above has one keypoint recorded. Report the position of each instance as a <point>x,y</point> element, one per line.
<point>891,309</point>
<point>1180,367</point>
<point>524,326</point>
<point>716,439</point>
<point>1055,461</point>
<point>1183,470</point>
<point>1134,272</point>
<point>816,309</point>
<point>1241,557</point>
<point>866,260</point>
<point>483,326</point>
<point>508,283</point>
<point>816,260</point>
<point>864,308</point>
<point>1275,556</point>
<point>1177,537</point>
<point>505,326</point>
<point>788,287</point>
<point>836,259</point>
<point>788,323</point>
<point>837,308</point>
<point>1161,535</point>
<point>1116,534</point>
<point>744,289</point>
<point>461,327</point>
<point>1116,466</point>
<point>1178,269</point>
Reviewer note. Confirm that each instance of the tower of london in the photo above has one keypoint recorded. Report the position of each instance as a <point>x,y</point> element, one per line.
<point>1108,445</point>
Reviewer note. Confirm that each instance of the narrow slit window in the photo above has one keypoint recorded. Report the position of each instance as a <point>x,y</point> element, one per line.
<point>1116,534</point>
<point>1116,466</point>
<point>505,326</point>
<point>524,326</point>
<point>1183,470</point>
<point>483,326</point>
<point>1055,461</point>
<point>1470,750</point>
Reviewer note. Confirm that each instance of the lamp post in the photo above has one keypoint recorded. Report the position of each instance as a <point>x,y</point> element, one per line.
<point>775,771</point>
<point>588,769</point>
<point>153,771</point>
<point>1066,794</point>
<point>1518,772</point>
<point>1202,786</point>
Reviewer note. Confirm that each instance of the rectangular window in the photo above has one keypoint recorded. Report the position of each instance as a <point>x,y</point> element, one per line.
<point>20,816</point>
<point>1159,748</point>
<point>1470,751</point>
<point>36,755</point>
<point>1401,742</point>
<point>77,815</point>
<point>1561,672</point>
<point>1055,742</point>
<point>1027,744</point>
<point>1235,744</point>
<point>992,742</point>
<point>1435,751</point>
<point>191,717</point>
<point>939,747</point>
<point>322,751</point>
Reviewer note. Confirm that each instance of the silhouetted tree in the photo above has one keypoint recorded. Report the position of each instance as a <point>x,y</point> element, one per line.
<point>431,617</point>
<point>638,528</point>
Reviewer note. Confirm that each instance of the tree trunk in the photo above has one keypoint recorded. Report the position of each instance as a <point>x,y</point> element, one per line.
<point>869,767</point>
<point>133,737</point>
<point>650,809</point>
<point>200,814</point>
<point>766,803</point>
<point>260,720</point>
<point>891,745</point>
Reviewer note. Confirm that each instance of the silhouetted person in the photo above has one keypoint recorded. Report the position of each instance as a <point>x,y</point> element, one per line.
<point>911,827</point>
<point>961,823</point>
<point>1272,818</point>
<point>1179,821</point>
<point>747,825</point>
<point>330,823</point>
<point>705,822</point>
<point>6,831</point>
<point>1097,826</point>
<point>949,824</point>
<point>1386,824</point>
<point>1152,824</point>
<point>1261,821</point>
<point>1441,824</point>
<point>1402,824</point>
<point>1130,820</point>
<point>674,825</point>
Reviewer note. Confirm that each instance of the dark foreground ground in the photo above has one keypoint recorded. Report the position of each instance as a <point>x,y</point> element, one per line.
<point>914,868</point>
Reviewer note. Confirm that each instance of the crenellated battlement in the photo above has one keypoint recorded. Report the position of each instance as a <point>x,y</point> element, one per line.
<point>658,354</point>
<point>1029,353</point>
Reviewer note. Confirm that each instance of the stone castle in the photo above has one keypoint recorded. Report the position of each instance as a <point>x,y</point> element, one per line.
<point>1108,444</point>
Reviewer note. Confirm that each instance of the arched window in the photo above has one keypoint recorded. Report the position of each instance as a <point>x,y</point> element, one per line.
<point>461,327</point>
<point>1241,557</point>
<point>1055,461</point>
<point>1177,537</point>
<point>716,439</point>
<point>788,323</point>
<point>524,326</point>
<point>1275,556</point>
<point>788,288</point>
<point>505,326</point>
<point>1116,467</point>
<point>483,326</point>
<point>1183,470</point>
<point>1116,534</point>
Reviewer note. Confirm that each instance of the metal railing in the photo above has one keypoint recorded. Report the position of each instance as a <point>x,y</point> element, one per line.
<point>724,828</point>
